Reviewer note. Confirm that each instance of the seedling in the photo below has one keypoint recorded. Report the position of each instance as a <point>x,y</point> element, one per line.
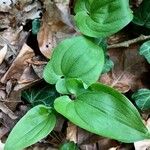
<point>74,69</point>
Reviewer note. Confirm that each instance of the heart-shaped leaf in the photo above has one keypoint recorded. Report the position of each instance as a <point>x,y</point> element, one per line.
<point>145,50</point>
<point>42,93</point>
<point>103,111</point>
<point>76,58</point>
<point>142,99</point>
<point>35,125</point>
<point>142,14</point>
<point>101,18</point>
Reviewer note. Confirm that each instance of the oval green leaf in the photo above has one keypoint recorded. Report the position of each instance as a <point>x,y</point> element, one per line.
<point>34,126</point>
<point>103,111</point>
<point>142,14</point>
<point>76,58</point>
<point>142,99</point>
<point>102,18</point>
<point>145,50</point>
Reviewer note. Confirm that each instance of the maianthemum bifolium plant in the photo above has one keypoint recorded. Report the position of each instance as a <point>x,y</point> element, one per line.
<point>74,69</point>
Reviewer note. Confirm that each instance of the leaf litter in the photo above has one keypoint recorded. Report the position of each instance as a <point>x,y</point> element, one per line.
<point>22,64</point>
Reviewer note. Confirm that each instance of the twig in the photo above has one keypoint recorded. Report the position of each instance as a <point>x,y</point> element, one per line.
<point>129,42</point>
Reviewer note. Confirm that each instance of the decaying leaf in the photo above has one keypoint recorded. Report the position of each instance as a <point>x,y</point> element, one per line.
<point>28,75</point>
<point>71,132</point>
<point>64,9</point>
<point>126,74</point>
<point>3,52</point>
<point>53,29</point>
<point>19,64</point>
<point>7,111</point>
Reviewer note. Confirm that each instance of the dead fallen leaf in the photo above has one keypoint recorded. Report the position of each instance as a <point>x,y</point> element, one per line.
<point>7,111</point>
<point>3,52</point>
<point>63,7</point>
<point>126,74</point>
<point>19,64</point>
<point>71,132</point>
<point>28,76</point>
<point>3,131</point>
<point>53,29</point>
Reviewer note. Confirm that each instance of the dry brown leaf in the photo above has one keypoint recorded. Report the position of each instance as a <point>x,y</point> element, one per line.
<point>128,70</point>
<point>3,132</point>
<point>41,147</point>
<point>11,37</point>
<point>63,7</point>
<point>19,64</point>
<point>3,52</point>
<point>53,29</point>
<point>7,111</point>
<point>19,11</point>
<point>71,132</point>
<point>28,76</point>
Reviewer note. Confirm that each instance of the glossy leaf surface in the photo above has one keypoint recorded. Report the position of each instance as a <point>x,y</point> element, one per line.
<point>34,126</point>
<point>69,146</point>
<point>74,58</point>
<point>142,14</point>
<point>102,18</point>
<point>142,99</point>
<point>103,111</point>
<point>145,51</point>
<point>42,93</point>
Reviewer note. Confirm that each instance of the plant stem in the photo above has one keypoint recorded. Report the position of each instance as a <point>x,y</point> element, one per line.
<point>129,42</point>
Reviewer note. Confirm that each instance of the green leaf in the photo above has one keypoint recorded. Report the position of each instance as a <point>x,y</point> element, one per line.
<point>42,93</point>
<point>36,23</point>
<point>34,126</point>
<point>102,18</point>
<point>142,14</point>
<point>145,51</point>
<point>74,58</point>
<point>109,64</point>
<point>69,146</point>
<point>142,99</point>
<point>103,111</point>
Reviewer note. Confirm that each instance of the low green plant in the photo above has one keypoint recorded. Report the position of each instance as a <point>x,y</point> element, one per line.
<point>74,69</point>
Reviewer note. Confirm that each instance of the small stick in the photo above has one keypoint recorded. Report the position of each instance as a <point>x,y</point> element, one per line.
<point>129,42</point>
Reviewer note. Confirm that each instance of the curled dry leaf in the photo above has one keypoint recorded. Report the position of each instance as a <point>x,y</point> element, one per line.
<point>19,64</point>
<point>53,29</point>
<point>3,52</point>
